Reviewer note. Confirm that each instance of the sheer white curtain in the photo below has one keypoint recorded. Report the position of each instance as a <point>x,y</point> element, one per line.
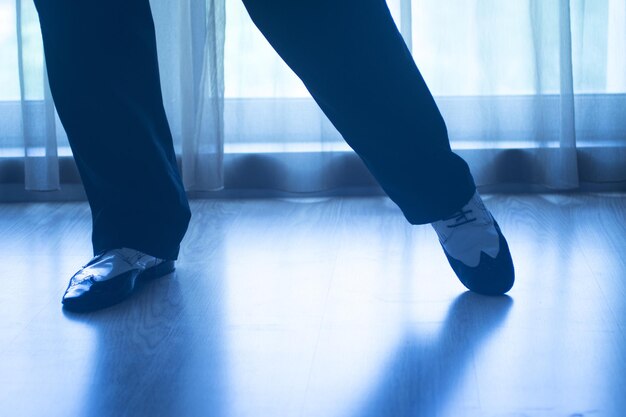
<point>191,59</point>
<point>190,39</point>
<point>533,92</point>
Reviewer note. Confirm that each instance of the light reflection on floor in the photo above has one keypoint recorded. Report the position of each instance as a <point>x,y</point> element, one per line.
<point>332,308</point>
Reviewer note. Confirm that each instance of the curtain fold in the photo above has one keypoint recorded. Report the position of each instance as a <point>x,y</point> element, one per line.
<point>38,124</point>
<point>202,81</point>
<point>565,174</point>
<point>190,38</point>
<point>533,92</point>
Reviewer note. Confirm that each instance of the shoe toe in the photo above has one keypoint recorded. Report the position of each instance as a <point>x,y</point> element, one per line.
<point>76,291</point>
<point>92,294</point>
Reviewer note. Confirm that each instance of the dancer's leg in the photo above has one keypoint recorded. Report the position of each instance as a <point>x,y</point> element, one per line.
<point>102,65</point>
<point>355,64</point>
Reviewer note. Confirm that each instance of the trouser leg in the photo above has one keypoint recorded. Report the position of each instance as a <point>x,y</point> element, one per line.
<point>102,66</point>
<point>355,64</point>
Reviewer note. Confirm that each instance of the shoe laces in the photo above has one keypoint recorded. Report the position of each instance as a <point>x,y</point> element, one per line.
<point>460,218</point>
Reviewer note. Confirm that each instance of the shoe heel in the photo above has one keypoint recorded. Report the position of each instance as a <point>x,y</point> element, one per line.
<point>161,269</point>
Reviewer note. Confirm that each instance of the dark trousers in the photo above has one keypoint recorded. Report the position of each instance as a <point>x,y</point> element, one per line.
<point>102,66</point>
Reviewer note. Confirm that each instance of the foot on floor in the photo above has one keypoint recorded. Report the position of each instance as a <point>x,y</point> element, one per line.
<point>110,277</point>
<point>476,248</point>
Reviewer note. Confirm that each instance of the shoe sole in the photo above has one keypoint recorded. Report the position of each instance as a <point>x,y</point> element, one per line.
<point>107,293</point>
